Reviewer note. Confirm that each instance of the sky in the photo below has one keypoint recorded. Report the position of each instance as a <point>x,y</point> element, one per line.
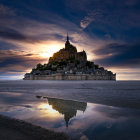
<point>32,30</point>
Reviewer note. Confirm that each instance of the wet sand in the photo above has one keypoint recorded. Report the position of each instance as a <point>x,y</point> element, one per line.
<point>13,129</point>
<point>112,93</point>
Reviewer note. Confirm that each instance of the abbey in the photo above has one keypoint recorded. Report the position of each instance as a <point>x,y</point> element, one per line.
<point>68,64</point>
<point>68,53</point>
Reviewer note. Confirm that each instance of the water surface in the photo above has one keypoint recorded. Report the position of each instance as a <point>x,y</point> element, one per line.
<point>83,120</point>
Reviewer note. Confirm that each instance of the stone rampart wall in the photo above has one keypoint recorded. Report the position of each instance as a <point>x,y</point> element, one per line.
<point>71,77</point>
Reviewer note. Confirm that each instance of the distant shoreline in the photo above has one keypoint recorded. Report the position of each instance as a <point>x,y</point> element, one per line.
<point>14,129</point>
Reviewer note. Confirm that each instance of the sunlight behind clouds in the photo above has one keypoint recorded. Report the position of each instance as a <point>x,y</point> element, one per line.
<point>47,50</point>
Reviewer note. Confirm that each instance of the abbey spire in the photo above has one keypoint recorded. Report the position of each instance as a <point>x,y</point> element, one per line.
<point>67,37</point>
<point>67,41</point>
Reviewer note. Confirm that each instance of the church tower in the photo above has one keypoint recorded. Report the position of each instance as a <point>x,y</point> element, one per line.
<point>69,47</point>
<point>67,37</point>
<point>67,44</point>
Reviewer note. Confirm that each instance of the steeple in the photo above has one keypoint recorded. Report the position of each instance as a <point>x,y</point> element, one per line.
<point>67,37</point>
<point>67,44</point>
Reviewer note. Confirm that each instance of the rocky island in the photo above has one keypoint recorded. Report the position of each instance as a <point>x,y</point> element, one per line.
<point>68,64</point>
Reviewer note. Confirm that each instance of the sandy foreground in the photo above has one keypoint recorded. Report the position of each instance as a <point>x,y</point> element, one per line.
<point>13,129</point>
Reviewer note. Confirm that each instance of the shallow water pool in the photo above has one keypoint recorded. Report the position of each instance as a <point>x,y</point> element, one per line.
<point>85,121</point>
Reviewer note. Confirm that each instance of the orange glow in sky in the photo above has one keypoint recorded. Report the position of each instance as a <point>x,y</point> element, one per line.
<point>47,50</point>
<point>48,108</point>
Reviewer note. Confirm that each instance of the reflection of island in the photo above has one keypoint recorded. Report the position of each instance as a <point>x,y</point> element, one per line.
<point>67,107</point>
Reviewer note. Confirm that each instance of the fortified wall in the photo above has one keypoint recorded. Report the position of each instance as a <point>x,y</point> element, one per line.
<point>71,77</point>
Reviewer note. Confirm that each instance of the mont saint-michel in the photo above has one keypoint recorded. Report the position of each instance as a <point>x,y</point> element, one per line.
<point>68,64</point>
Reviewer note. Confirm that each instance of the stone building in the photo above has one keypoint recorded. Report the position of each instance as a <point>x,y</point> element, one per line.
<point>68,53</point>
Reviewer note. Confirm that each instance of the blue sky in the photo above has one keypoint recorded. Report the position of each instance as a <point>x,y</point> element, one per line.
<point>31,30</point>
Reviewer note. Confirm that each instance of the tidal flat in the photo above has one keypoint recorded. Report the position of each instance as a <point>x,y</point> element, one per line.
<point>84,110</point>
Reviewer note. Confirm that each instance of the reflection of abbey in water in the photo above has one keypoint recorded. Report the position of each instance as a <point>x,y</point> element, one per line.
<point>67,107</point>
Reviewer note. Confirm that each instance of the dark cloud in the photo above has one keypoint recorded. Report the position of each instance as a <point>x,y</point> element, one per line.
<point>114,17</point>
<point>14,61</point>
<point>119,55</point>
<point>6,46</point>
<point>11,34</point>
<point>30,54</point>
<point>6,11</point>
